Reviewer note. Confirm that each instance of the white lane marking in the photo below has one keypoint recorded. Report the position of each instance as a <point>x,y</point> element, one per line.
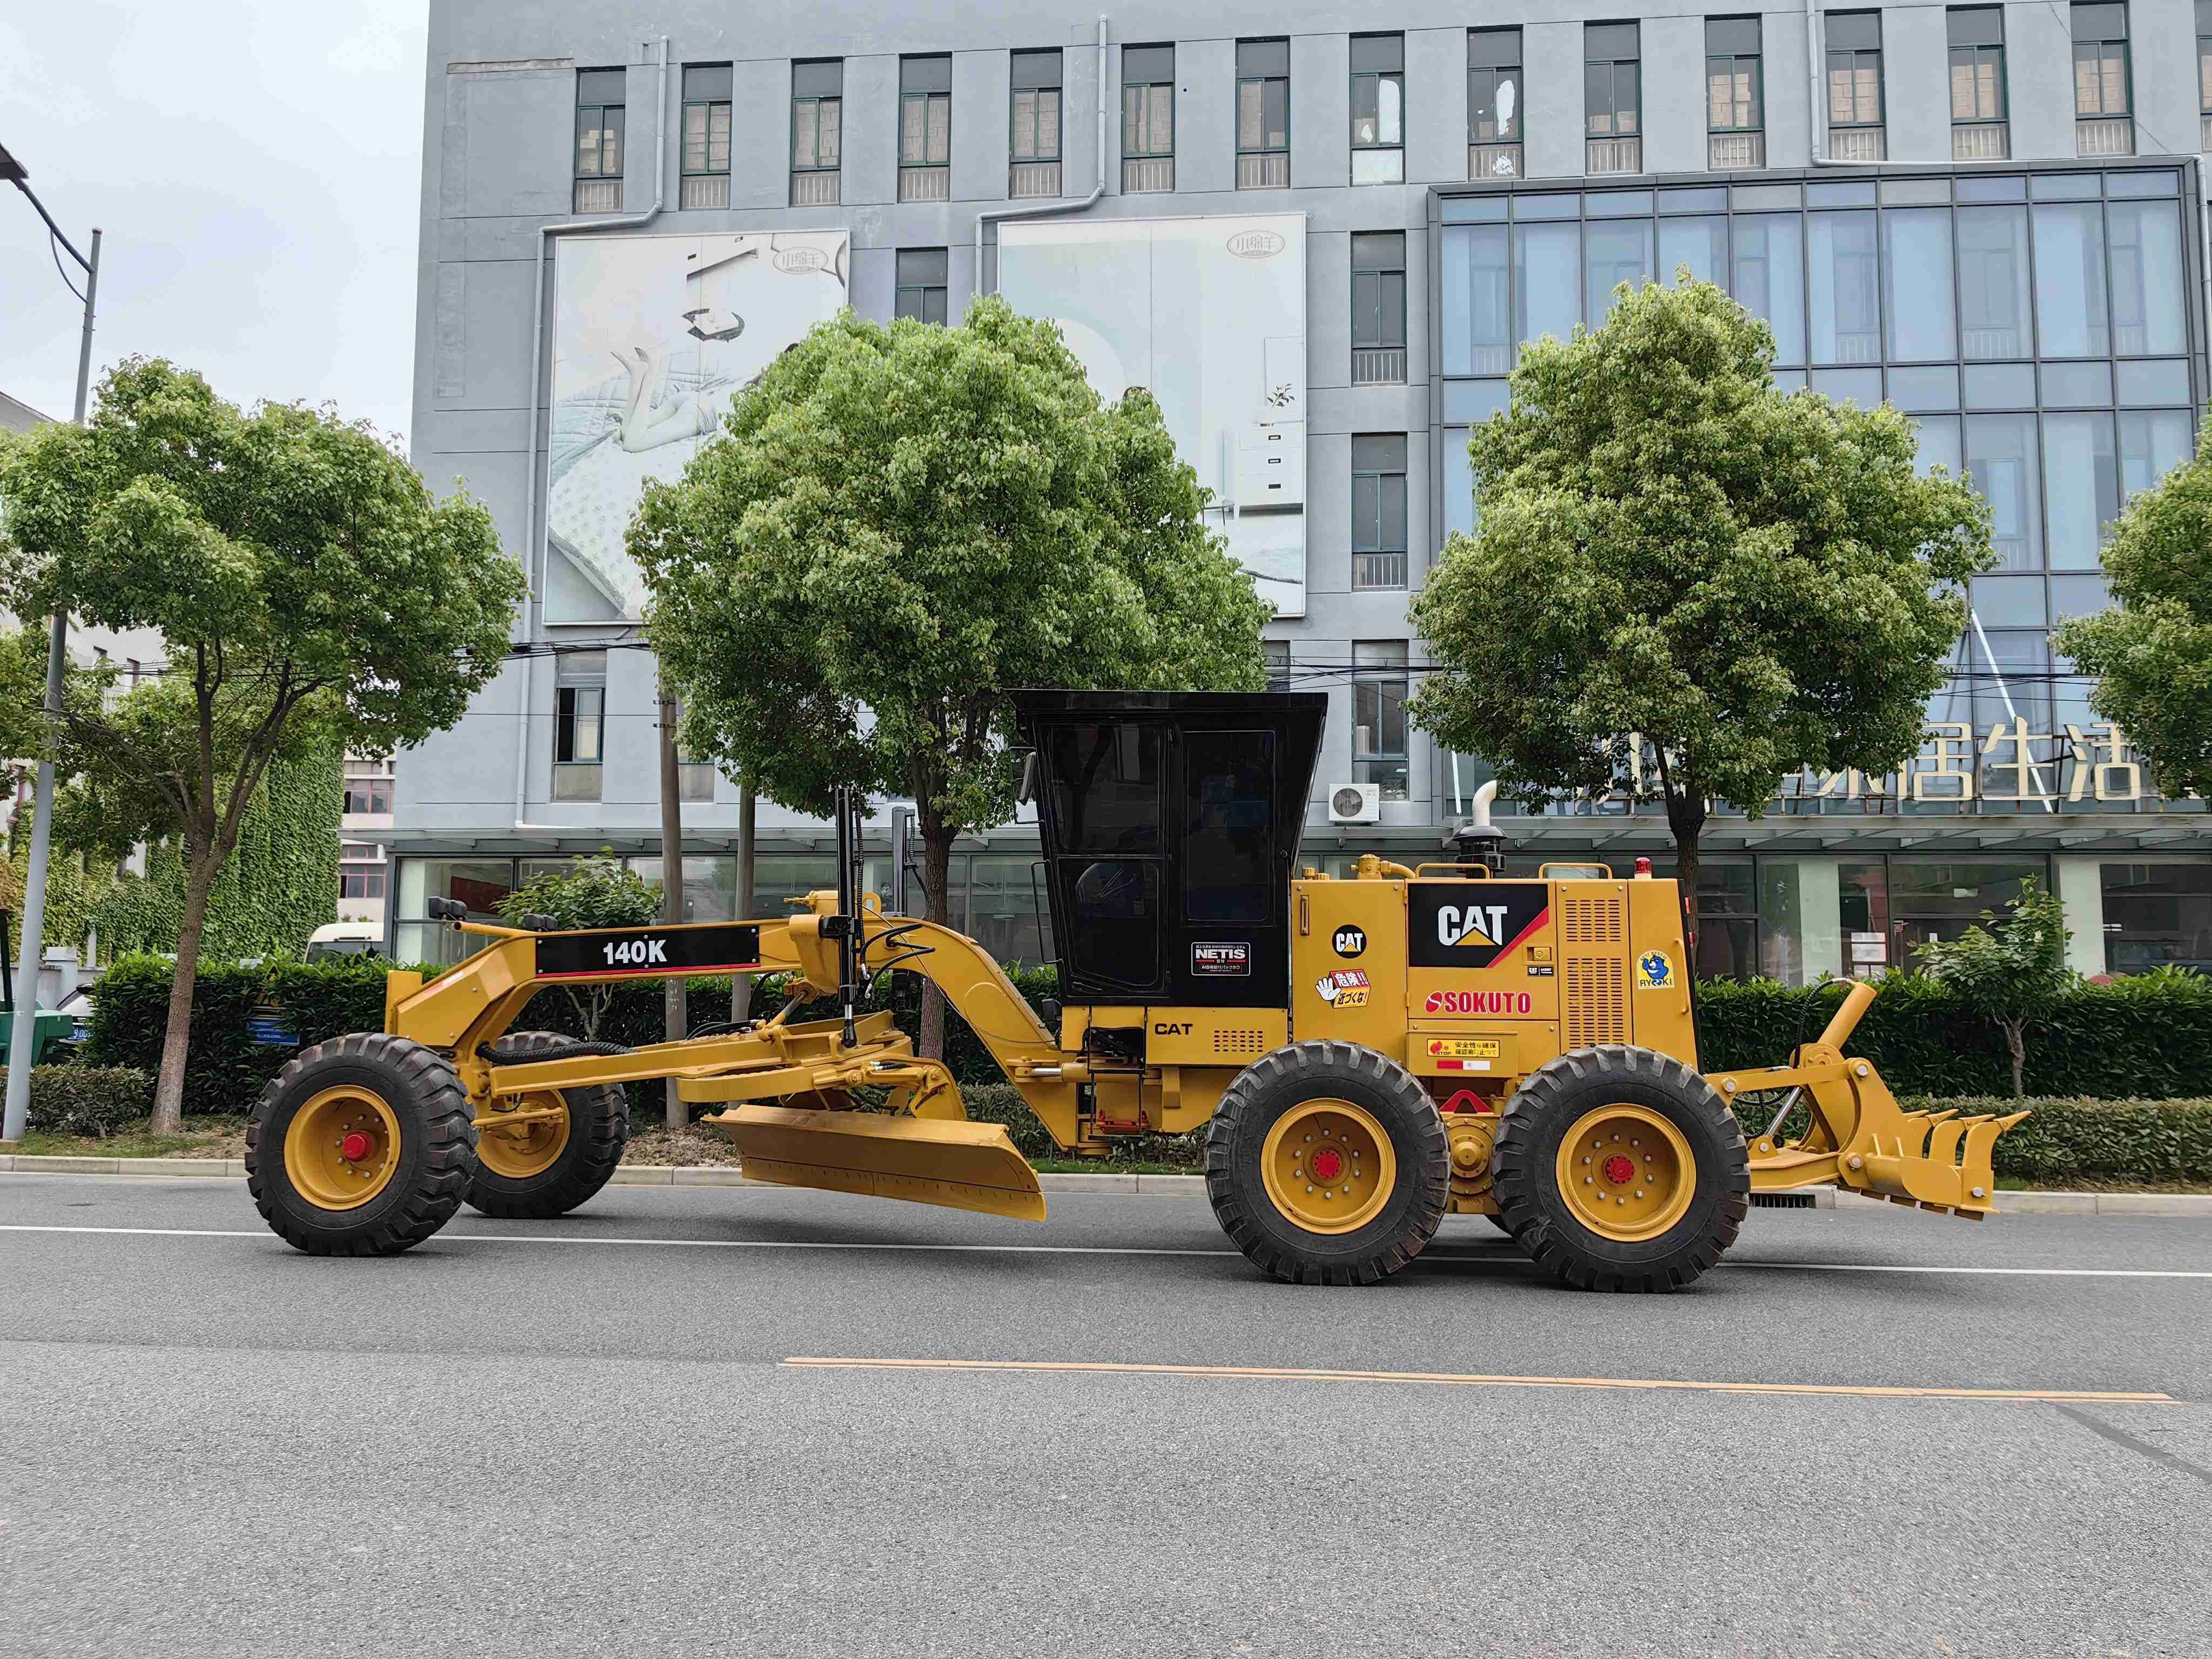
<point>1502,1259</point>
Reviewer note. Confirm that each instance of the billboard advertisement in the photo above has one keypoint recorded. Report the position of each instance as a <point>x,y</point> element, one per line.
<point>1209,314</point>
<point>652,336</point>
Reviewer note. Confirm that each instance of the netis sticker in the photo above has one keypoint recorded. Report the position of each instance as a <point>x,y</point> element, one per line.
<point>1219,959</point>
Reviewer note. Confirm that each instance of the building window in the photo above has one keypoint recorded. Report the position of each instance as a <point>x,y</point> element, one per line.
<point>1855,120</point>
<point>925,130</point>
<point>2157,915</point>
<point>599,140</point>
<point>817,130</point>
<point>1034,132</point>
<point>2102,126</point>
<point>1378,109</point>
<point>1147,118</point>
<point>1378,716</point>
<point>580,715</point>
<point>1493,103</point>
<point>1277,655</point>
<point>706,136</point>
<point>1263,114</point>
<point>360,870</point>
<point>1378,512</point>
<point>1979,131</point>
<point>694,779</point>
<point>2204,72</point>
<point>367,793</point>
<point>1378,307</point>
<point>1735,117</point>
<point>1612,97</point>
<point>922,283</point>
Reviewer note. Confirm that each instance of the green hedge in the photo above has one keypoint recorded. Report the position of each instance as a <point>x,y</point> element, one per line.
<point>226,1067</point>
<point>87,1100</point>
<point>2146,1037</point>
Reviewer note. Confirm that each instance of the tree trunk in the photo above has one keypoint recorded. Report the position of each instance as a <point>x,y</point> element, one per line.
<point>676,1017</point>
<point>1687,821</point>
<point>2016,1039</point>
<point>936,871</point>
<point>176,1040</point>
<point>741,988</point>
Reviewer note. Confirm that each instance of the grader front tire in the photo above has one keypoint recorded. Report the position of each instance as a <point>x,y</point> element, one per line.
<point>1326,1164</point>
<point>545,1167</point>
<point>361,1147</point>
<point>1620,1168</point>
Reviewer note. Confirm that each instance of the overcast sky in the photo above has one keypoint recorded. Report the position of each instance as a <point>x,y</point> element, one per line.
<point>255,165</point>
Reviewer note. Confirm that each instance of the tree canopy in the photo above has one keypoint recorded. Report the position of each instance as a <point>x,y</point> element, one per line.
<point>311,597</point>
<point>2011,968</point>
<point>600,891</point>
<point>1687,583</point>
<point>900,523</point>
<point>2152,654</point>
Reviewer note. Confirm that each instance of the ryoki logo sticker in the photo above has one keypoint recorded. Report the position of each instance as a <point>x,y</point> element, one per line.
<point>1478,1002</point>
<point>1655,971</point>
<point>1344,988</point>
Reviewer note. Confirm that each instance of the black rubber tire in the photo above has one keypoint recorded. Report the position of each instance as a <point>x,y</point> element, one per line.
<point>1524,1170</point>
<point>437,1146</point>
<point>599,1128</point>
<point>1270,1086</point>
<point>1498,1221</point>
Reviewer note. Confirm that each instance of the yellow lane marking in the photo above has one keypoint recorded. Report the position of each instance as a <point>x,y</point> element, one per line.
<point>1448,1379</point>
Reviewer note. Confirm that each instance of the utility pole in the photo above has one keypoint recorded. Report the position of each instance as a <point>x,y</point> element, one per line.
<point>24,1035</point>
<point>676,1017</point>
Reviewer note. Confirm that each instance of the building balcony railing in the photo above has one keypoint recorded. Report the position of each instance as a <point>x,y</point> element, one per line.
<point>1378,365</point>
<point>1270,171</point>
<point>818,189</point>
<point>1494,160</point>
<point>2104,136</point>
<point>926,184</point>
<point>1378,570</point>
<point>598,195</point>
<point>706,190</point>
<point>1983,140</point>
<point>1987,344</point>
<point>1143,173</point>
<point>1614,156</point>
<point>1733,152</point>
<point>1031,180</point>
<point>1857,144</point>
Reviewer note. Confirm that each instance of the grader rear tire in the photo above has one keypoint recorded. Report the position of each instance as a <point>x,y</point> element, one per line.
<point>547,1167</point>
<point>361,1147</point>
<point>1620,1168</point>
<point>1326,1164</point>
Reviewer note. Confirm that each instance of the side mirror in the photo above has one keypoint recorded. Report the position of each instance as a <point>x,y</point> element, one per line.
<point>445,909</point>
<point>1028,792</point>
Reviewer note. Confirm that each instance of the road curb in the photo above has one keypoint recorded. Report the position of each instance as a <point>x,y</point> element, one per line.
<point>1120,1183</point>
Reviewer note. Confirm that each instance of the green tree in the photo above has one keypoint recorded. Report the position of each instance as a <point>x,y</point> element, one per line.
<point>1687,585</point>
<point>900,523</point>
<point>599,892</point>
<point>2152,655</point>
<point>311,595</point>
<point>2012,970</point>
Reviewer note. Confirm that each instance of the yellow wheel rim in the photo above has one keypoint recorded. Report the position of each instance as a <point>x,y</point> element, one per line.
<point>1626,1172</point>
<point>342,1147</point>
<point>1328,1166</point>
<point>515,1152</point>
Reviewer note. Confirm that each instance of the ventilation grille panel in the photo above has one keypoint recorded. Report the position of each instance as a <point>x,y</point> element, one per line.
<point>1240,1042</point>
<point>1597,1001</point>
<point>1601,920</point>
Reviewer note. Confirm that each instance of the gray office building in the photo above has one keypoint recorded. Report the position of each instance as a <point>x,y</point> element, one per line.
<point>1321,249</point>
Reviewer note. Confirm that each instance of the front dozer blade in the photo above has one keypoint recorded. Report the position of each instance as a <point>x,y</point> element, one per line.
<point>956,1163</point>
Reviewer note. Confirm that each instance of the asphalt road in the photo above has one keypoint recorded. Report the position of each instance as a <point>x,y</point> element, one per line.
<point>587,1437</point>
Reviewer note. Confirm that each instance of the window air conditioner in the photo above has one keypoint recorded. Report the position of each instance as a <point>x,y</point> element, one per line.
<point>1355,803</point>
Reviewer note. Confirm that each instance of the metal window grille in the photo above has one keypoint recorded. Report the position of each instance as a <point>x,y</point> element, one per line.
<point>1263,114</point>
<point>1979,131</point>
<point>579,702</point>
<point>1034,126</point>
<point>1379,687</point>
<point>1855,90</point>
<point>1378,308</point>
<point>1378,109</point>
<point>1147,118</point>
<point>599,135</point>
<point>1378,513</point>
<point>925,129</point>
<point>1734,97</point>
<point>706,135</point>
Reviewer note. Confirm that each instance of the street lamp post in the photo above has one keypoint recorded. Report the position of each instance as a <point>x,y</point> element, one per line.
<point>24,1037</point>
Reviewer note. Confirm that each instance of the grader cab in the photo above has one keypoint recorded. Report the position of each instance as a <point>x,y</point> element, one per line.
<point>1365,1055</point>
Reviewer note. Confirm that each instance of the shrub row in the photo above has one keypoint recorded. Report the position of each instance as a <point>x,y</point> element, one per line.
<point>87,1100</point>
<point>2146,1037</point>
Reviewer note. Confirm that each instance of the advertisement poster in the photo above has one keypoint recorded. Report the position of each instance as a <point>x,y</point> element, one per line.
<point>652,336</point>
<point>1210,315</point>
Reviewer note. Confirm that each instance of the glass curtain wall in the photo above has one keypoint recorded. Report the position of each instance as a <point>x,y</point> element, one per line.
<point>2034,326</point>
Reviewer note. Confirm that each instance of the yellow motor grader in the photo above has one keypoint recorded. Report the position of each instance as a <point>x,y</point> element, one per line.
<point>1365,1055</point>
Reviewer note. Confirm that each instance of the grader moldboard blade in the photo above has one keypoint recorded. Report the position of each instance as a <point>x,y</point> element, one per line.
<point>950,1162</point>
